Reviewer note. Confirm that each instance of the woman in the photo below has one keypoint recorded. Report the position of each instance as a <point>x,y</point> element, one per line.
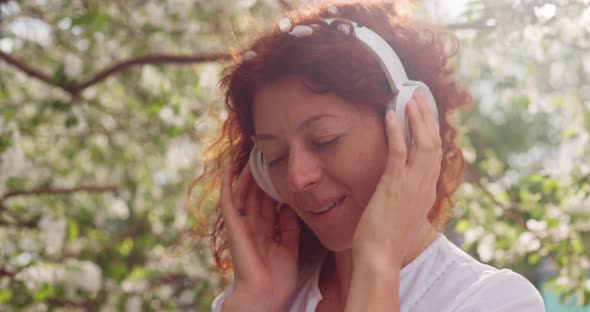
<point>332,201</point>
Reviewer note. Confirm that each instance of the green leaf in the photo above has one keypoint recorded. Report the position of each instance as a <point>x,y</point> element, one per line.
<point>44,293</point>
<point>71,121</point>
<point>533,259</point>
<point>5,295</point>
<point>552,222</point>
<point>523,102</point>
<point>126,247</point>
<point>73,229</point>
<point>59,105</point>
<point>5,142</point>
<point>524,195</point>
<point>137,273</point>
<point>16,183</point>
<point>576,246</point>
<point>569,133</point>
<point>461,226</point>
<point>7,113</point>
<point>558,101</point>
<point>117,269</point>
<point>59,76</point>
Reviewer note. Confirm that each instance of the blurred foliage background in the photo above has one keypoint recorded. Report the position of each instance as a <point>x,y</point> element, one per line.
<point>106,106</point>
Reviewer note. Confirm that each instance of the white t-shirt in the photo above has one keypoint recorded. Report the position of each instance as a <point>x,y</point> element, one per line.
<point>442,278</point>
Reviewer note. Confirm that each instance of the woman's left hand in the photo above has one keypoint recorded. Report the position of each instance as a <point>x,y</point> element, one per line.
<point>398,209</point>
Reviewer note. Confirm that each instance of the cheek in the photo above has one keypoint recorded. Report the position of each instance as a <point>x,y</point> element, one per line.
<point>371,161</point>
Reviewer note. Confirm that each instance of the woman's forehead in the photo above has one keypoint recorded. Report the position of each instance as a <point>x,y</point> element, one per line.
<point>289,102</point>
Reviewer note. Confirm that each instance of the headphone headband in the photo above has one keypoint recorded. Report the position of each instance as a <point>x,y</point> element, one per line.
<point>382,51</point>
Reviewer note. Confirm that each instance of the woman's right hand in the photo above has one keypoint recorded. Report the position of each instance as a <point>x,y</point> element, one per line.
<point>264,245</point>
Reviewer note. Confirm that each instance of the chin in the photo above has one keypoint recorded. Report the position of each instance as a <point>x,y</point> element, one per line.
<point>335,242</point>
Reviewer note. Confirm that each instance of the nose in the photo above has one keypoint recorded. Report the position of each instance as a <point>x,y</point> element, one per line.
<point>304,172</point>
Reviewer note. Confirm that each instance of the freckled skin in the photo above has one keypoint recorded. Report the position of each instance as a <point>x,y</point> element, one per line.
<point>308,174</point>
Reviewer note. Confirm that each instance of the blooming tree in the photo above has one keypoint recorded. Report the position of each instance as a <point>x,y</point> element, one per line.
<point>106,106</point>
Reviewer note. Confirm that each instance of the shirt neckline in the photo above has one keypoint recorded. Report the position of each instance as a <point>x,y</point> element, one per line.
<point>408,268</point>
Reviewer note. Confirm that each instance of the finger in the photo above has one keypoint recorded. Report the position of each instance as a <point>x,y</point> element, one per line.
<point>241,244</point>
<point>397,150</point>
<point>267,207</point>
<point>289,229</point>
<point>228,211</point>
<point>261,228</point>
<point>430,121</point>
<point>422,138</point>
<point>240,188</point>
<point>269,217</point>
<point>237,234</point>
<point>426,112</point>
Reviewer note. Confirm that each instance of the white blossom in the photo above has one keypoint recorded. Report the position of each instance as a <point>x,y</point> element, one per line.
<point>545,12</point>
<point>84,275</point>
<point>39,274</point>
<point>133,304</point>
<point>529,242</point>
<point>485,247</point>
<point>118,209</point>
<point>53,232</point>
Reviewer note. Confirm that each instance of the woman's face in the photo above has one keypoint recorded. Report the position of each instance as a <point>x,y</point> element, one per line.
<point>326,155</point>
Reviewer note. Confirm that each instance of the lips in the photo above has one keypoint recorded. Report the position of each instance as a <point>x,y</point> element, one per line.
<point>326,206</point>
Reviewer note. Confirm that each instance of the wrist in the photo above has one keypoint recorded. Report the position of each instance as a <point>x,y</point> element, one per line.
<point>377,267</point>
<point>377,259</point>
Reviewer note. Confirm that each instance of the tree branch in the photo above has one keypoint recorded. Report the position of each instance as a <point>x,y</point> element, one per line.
<point>90,189</point>
<point>75,89</point>
<point>20,223</point>
<point>28,69</point>
<point>152,59</point>
<point>5,272</point>
<point>509,211</point>
<point>17,221</point>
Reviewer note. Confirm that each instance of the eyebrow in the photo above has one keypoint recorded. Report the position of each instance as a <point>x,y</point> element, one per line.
<point>306,123</point>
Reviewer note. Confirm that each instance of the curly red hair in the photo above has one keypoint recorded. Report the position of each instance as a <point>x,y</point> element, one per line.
<point>330,60</point>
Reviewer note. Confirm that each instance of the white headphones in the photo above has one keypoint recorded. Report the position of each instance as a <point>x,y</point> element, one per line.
<point>398,81</point>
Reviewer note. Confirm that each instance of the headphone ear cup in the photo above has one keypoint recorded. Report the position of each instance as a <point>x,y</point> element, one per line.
<point>259,170</point>
<point>403,97</point>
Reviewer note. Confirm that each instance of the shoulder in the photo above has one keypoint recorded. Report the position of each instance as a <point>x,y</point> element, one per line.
<point>486,286</point>
<point>461,283</point>
<point>501,290</point>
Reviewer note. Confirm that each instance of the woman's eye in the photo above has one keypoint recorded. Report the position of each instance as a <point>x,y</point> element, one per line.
<point>276,161</point>
<point>327,143</point>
